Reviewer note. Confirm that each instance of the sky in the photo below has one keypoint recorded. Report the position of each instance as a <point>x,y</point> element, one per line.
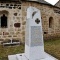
<point>53,2</point>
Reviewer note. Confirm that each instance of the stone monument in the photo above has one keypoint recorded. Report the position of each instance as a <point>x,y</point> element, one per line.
<point>34,46</point>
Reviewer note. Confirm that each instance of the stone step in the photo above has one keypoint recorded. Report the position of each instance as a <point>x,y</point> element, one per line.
<point>12,57</point>
<point>23,57</point>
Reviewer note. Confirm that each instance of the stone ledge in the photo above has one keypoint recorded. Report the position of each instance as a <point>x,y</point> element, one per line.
<point>22,57</point>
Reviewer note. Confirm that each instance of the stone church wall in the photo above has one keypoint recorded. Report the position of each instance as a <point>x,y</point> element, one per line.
<point>47,13</point>
<point>16,14</point>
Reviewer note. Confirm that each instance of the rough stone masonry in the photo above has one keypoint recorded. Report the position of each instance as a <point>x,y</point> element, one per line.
<point>16,12</point>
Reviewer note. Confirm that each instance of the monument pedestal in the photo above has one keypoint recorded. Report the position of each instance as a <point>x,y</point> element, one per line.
<point>34,45</point>
<point>23,57</point>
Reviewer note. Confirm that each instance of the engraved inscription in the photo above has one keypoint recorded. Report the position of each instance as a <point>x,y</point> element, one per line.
<point>36,36</point>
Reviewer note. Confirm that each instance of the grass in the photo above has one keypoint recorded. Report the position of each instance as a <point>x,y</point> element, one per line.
<point>51,46</point>
<point>5,51</point>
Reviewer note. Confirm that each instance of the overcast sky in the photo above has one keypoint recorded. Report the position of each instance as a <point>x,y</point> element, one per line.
<point>53,2</point>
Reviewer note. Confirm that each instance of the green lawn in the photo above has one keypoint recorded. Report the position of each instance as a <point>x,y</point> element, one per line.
<point>51,46</point>
<point>5,51</point>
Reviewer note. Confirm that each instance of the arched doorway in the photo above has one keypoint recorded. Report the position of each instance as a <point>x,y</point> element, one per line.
<point>4,21</point>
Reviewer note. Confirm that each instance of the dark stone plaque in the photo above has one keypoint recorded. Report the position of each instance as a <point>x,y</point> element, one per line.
<point>17,25</point>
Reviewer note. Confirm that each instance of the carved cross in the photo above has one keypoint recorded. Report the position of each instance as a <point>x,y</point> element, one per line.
<point>37,21</point>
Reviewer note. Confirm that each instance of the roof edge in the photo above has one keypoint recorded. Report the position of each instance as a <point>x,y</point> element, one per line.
<point>41,3</point>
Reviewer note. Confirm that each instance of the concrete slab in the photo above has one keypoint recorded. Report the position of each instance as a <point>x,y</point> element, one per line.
<point>23,57</point>
<point>12,57</point>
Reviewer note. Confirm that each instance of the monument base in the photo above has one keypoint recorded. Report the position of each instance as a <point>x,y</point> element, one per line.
<point>23,57</point>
